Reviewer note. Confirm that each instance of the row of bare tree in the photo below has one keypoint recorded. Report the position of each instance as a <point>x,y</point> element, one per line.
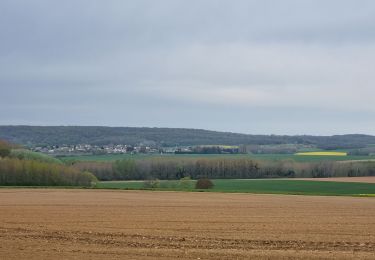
<point>220,168</point>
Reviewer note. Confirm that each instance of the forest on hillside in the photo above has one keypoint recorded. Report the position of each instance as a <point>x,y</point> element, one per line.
<point>164,137</point>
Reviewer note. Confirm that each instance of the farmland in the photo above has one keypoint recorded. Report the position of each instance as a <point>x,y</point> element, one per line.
<point>93,224</point>
<point>302,187</point>
<point>270,157</point>
<point>322,153</point>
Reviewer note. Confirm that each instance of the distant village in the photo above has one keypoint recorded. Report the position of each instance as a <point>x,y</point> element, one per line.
<point>95,149</point>
<point>87,149</point>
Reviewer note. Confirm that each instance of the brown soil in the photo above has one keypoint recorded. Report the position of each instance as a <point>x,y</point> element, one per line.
<point>369,179</point>
<point>91,224</point>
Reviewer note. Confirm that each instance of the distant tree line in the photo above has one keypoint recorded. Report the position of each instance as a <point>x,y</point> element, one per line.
<point>209,150</point>
<point>272,149</point>
<point>220,168</point>
<point>363,151</point>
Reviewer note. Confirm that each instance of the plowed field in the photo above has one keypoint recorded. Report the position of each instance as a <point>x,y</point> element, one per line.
<point>368,179</point>
<point>99,224</point>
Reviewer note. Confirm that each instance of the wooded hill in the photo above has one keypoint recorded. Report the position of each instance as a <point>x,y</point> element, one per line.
<point>25,168</point>
<point>99,135</point>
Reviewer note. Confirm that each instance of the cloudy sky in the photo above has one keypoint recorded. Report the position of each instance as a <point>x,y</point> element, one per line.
<point>262,67</point>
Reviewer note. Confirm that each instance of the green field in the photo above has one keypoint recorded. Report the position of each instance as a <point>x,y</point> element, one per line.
<point>322,153</point>
<point>262,186</point>
<point>275,157</point>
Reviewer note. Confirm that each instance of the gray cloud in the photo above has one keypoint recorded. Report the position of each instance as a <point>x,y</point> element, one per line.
<point>285,67</point>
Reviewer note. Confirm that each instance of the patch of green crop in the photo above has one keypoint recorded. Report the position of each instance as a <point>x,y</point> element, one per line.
<point>262,186</point>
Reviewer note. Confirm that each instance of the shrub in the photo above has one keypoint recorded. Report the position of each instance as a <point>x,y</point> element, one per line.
<point>185,183</point>
<point>204,183</point>
<point>4,148</point>
<point>151,184</point>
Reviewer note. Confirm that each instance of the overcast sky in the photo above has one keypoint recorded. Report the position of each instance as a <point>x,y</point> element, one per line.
<point>261,67</point>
